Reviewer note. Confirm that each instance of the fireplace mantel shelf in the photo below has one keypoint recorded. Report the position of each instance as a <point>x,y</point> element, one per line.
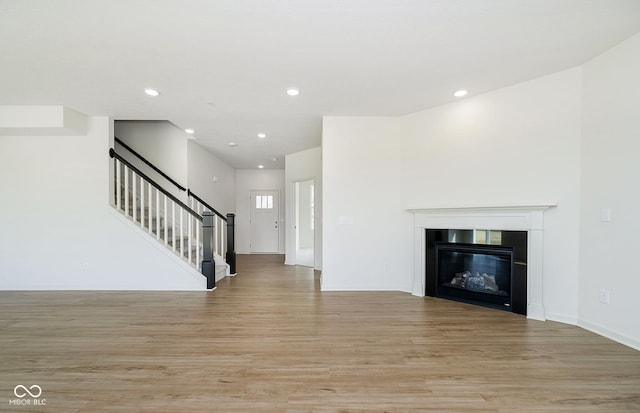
<point>521,216</point>
<point>524,206</point>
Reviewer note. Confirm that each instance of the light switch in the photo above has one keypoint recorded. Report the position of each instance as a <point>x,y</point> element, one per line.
<point>605,215</point>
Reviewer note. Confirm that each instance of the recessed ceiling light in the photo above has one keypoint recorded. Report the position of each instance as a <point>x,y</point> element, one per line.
<point>460,93</point>
<point>232,144</point>
<point>293,92</point>
<point>262,135</point>
<point>260,166</point>
<point>190,131</point>
<point>151,92</point>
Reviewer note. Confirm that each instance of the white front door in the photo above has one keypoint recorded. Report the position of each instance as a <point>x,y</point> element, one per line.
<point>265,221</point>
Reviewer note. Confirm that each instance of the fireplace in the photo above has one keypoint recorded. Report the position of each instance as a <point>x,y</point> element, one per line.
<point>482,267</point>
<point>527,218</point>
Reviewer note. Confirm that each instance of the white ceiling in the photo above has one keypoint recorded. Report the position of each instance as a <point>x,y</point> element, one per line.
<point>347,57</point>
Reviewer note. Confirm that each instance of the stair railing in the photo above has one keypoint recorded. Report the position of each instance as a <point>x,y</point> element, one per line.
<point>223,227</point>
<point>161,214</point>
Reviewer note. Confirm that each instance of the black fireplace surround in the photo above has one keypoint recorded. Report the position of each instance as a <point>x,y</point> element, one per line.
<point>491,275</point>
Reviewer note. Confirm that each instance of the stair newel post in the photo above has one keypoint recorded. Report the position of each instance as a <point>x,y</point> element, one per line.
<point>208,261</point>
<point>231,248</point>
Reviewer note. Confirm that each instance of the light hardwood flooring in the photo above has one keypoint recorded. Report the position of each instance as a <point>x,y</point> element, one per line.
<point>269,341</point>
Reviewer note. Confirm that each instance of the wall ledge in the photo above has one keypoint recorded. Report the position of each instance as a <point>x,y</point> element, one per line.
<point>54,120</point>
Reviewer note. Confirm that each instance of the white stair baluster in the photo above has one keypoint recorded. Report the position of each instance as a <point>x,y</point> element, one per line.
<point>141,202</point>
<point>157,214</point>
<point>224,240</point>
<point>220,240</point>
<point>126,190</point>
<point>181,232</point>
<point>150,209</point>
<point>166,223</point>
<point>134,201</point>
<point>173,225</point>
<point>197,263</point>
<point>190,237</point>
<point>216,235</point>
<point>118,184</point>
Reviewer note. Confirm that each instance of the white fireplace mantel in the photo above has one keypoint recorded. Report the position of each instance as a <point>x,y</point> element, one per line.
<point>527,216</point>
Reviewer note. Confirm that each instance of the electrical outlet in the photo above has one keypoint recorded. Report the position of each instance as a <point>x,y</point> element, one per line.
<point>604,296</point>
<point>387,267</point>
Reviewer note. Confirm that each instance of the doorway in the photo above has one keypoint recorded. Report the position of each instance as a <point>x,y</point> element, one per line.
<point>265,215</point>
<point>305,223</point>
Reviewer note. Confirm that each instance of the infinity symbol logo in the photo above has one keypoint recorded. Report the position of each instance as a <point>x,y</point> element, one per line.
<point>21,391</point>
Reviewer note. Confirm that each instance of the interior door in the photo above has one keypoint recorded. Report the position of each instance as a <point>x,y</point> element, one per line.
<point>265,221</point>
<point>305,225</point>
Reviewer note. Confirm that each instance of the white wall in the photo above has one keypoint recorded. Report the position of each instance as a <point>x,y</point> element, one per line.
<point>161,143</point>
<point>520,143</point>
<point>58,230</point>
<point>302,166</point>
<point>364,219</point>
<point>257,179</point>
<point>202,167</point>
<point>610,179</point>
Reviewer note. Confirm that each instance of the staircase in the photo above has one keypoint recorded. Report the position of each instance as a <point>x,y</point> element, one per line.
<point>194,231</point>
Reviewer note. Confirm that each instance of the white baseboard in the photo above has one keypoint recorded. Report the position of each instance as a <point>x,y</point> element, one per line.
<point>535,312</point>
<point>562,318</point>
<point>612,335</point>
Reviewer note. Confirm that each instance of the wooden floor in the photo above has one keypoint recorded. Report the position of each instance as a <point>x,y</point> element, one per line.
<point>269,341</point>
